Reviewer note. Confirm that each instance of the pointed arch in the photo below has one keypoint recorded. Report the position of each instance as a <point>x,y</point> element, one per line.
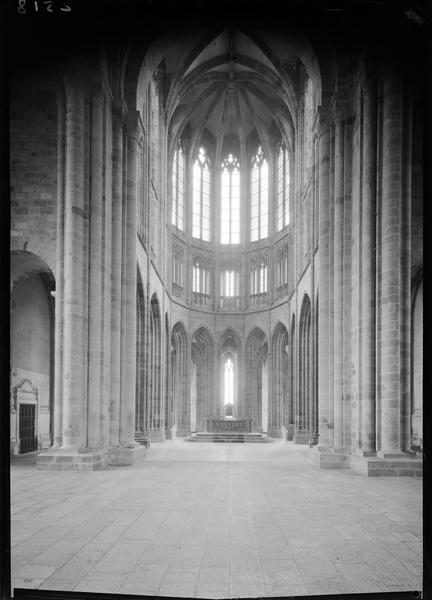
<point>278,406</point>
<point>306,417</point>
<point>180,376</point>
<point>168,412</point>
<point>32,351</point>
<point>141,379</point>
<point>417,366</point>
<point>202,354</point>
<point>292,403</point>
<point>230,339</point>
<point>154,408</point>
<point>256,351</point>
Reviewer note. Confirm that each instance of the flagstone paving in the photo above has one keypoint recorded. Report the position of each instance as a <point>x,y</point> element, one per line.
<point>215,521</point>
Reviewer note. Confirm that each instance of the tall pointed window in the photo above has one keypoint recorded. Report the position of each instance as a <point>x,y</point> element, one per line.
<point>230,283</point>
<point>230,201</point>
<point>201,197</point>
<point>178,188</point>
<point>259,197</point>
<point>228,381</point>
<point>282,188</point>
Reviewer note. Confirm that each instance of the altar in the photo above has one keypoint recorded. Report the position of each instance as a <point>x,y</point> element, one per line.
<point>229,424</point>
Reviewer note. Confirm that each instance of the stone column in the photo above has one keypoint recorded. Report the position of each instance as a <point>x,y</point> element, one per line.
<point>323,277</point>
<point>116,283</point>
<point>94,416</point>
<point>128,376</point>
<point>59,302</point>
<point>368,271</point>
<point>107,212</point>
<point>129,450</point>
<point>392,359</point>
<point>338,279</point>
<point>74,385</point>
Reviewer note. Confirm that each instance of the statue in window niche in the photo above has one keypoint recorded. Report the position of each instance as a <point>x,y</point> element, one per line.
<point>228,410</point>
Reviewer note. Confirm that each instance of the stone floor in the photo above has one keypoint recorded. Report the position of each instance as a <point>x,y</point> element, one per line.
<point>215,521</point>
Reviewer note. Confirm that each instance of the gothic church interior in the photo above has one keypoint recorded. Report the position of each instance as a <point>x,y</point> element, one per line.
<point>216,230</point>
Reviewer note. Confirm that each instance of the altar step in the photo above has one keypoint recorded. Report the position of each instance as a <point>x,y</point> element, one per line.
<point>229,437</point>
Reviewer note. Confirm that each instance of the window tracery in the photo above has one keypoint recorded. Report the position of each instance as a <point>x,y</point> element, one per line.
<point>178,182</point>
<point>282,188</point>
<point>259,196</point>
<point>230,200</point>
<point>201,196</point>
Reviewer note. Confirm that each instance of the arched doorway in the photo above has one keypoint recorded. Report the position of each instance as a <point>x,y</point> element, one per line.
<point>32,344</point>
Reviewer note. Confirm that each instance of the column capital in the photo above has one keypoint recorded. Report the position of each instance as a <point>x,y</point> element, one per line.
<point>135,126</point>
<point>97,88</point>
<point>340,107</point>
<point>119,107</point>
<point>321,120</point>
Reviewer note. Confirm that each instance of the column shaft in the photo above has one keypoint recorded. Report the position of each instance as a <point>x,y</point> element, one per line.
<point>95,275</point>
<point>74,388</point>
<point>127,425</point>
<point>107,243</point>
<point>59,302</point>
<point>368,258</point>
<point>116,278</point>
<point>323,278</point>
<point>391,273</point>
<point>338,282</point>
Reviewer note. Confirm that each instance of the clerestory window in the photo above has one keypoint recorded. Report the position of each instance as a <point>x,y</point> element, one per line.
<point>258,280</point>
<point>230,201</point>
<point>282,188</point>
<point>177,188</point>
<point>200,279</point>
<point>229,284</point>
<point>259,196</point>
<point>201,197</point>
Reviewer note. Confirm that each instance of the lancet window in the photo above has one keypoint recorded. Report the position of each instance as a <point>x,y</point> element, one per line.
<point>201,196</point>
<point>230,200</point>
<point>178,182</point>
<point>259,196</point>
<point>283,184</point>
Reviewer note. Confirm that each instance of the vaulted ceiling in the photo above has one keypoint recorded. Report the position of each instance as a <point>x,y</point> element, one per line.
<point>231,89</point>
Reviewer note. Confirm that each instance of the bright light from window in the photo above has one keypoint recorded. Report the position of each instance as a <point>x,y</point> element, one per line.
<point>228,375</point>
<point>201,197</point>
<point>177,187</point>
<point>283,189</point>
<point>230,201</point>
<point>259,197</point>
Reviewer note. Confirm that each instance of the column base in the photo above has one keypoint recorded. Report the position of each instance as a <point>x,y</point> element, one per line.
<point>157,435</point>
<point>329,458</point>
<point>182,432</point>
<point>275,432</point>
<point>387,465</point>
<point>124,455</point>
<point>57,459</point>
<point>301,436</point>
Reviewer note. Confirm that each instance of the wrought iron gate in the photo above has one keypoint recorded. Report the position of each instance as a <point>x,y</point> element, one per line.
<point>27,414</point>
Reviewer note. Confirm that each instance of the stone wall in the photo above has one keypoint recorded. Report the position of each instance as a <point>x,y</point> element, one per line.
<point>33,155</point>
